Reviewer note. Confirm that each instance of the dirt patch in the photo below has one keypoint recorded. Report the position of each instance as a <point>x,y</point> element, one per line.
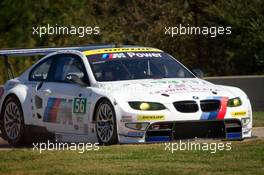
<point>258,132</point>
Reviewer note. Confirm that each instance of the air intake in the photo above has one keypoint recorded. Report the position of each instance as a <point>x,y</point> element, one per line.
<point>210,105</point>
<point>186,106</point>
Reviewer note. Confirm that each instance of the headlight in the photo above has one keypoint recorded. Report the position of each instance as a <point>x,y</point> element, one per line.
<point>146,106</point>
<point>234,102</point>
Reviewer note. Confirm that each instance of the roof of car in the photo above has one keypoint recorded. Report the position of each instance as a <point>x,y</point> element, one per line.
<point>86,49</point>
<point>48,50</point>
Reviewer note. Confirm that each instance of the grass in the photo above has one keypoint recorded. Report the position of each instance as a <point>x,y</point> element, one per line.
<point>246,157</point>
<point>258,119</point>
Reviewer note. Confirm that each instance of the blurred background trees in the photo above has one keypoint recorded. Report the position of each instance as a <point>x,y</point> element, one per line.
<point>142,23</point>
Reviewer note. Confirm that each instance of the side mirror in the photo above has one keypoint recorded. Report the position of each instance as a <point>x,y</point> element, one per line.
<point>76,78</point>
<point>198,73</point>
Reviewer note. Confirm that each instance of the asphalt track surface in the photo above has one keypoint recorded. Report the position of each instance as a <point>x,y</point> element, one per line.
<point>258,133</point>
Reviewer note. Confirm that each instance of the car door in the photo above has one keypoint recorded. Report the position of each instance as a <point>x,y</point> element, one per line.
<point>65,104</point>
<point>37,76</point>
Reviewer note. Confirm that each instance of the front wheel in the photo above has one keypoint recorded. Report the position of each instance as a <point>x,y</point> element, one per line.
<point>13,122</point>
<point>106,123</point>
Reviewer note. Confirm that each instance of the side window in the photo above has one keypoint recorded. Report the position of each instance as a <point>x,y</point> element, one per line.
<point>40,73</point>
<point>68,64</point>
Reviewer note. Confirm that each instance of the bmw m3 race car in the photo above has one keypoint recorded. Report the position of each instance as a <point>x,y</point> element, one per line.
<point>109,94</point>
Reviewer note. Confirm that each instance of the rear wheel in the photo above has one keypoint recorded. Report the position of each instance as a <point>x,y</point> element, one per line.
<point>106,123</point>
<point>13,127</point>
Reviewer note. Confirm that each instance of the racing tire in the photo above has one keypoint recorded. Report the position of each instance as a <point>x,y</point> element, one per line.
<point>106,129</point>
<point>13,127</point>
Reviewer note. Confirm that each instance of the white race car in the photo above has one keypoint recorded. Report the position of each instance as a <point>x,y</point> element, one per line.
<point>111,95</point>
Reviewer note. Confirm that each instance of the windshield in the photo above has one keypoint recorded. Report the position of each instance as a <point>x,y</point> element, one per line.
<point>136,65</point>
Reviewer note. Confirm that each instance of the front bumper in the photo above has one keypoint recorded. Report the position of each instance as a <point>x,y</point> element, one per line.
<point>225,129</point>
<point>230,123</point>
<point>228,129</point>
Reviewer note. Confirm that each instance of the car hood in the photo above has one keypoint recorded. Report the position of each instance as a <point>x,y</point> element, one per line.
<point>164,90</point>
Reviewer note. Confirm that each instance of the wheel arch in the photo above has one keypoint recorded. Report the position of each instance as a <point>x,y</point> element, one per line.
<point>18,92</point>
<point>115,139</point>
<point>5,99</point>
<point>10,95</point>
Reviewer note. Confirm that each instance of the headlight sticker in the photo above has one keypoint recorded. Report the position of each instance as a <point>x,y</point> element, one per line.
<point>150,117</point>
<point>238,114</point>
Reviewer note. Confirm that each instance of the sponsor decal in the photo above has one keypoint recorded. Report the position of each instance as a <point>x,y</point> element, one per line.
<point>135,134</point>
<point>150,117</point>
<point>165,82</point>
<point>126,119</point>
<point>118,50</point>
<point>58,110</point>
<point>51,111</point>
<point>220,114</point>
<point>79,105</point>
<point>182,88</point>
<point>172,85</point>
<point>238,114</point>
<point>110,56</point>
<point>144,55</point>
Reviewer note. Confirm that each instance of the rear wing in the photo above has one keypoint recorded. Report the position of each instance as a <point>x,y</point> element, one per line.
<point>41,51</point>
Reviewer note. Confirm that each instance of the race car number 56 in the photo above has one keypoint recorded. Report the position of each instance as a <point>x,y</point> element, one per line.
<point>79,105</point>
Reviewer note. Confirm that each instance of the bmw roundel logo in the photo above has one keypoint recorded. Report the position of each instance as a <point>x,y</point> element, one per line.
<point>195,97</point>
<point>105,56</point>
